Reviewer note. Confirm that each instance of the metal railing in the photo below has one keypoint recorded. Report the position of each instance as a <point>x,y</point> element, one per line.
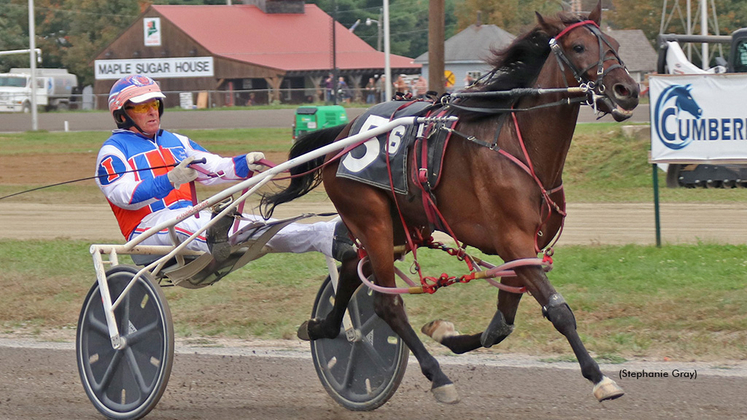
<point>207,99</point>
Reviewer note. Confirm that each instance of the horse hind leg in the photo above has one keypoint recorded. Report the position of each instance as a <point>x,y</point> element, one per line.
<point>391,309</point>
<point>561,316</point>
<point>445,333</point>
<point>329,327</point>
<point>500,327</point>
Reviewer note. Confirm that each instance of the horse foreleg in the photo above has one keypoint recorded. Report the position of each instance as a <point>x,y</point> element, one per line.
<point>560,314</point>
<point>391,309</point>
<point>557,311</point>
<point>329,327</point>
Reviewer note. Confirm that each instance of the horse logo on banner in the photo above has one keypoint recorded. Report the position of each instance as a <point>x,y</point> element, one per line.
<point>670,122</point>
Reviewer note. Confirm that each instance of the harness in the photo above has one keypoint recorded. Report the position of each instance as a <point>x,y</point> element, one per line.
<point>593,91</point>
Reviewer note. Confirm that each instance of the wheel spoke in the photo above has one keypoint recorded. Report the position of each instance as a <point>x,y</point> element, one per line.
<point>97,326</point>
<point>136,372</point>
<point>140,334</point>
<point>109,373</point>
<point>347,379</point>
<point>375,356</point>
<point>371,323</point>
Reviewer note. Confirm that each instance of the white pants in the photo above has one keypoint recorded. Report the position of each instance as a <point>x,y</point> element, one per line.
<point>296,237</point>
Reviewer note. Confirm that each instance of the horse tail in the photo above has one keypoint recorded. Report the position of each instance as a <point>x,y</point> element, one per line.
<point>306,176</point>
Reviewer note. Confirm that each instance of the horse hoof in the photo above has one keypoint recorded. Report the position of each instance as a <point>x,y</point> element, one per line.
<point>439,329</point>
<point>446,394</point>
<point>303,331</point>
<point>607,389</point>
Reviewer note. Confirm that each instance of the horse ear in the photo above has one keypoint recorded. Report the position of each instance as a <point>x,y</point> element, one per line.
<point>542,23</point>
<point>596,14</point>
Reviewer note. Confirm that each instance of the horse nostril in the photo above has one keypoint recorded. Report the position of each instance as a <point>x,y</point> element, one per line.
<point>621,92</point>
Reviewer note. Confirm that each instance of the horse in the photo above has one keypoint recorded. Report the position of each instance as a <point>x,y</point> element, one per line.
<point>500,189</point>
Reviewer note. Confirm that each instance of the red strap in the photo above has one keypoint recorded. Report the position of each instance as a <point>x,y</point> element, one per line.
<point>575,25</point>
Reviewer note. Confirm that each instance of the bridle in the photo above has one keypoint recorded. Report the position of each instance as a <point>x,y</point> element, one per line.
<point>595,87</point>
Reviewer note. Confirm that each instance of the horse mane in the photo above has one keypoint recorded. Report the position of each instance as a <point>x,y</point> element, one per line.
<point>516,66</point>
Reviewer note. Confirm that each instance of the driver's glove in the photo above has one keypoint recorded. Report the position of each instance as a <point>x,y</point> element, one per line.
<point>253,157</point>
<point>182,174</point>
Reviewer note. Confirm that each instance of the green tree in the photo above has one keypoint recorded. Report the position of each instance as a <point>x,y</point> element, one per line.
<point>93,25</point>
<point>14,32</point>
<point>70,33</point>
<point>514,16</point>
<point>639,14</point>
<point>408,21</point>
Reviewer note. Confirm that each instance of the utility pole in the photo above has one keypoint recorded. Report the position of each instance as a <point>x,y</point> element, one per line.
<point>32,48</point>
<point>705,64</point>
<point>387,52</point>
<point>334,53</point>
<point>436,30</point>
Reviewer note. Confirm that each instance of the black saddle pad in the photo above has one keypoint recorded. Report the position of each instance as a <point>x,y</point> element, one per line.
<point>367,163</point>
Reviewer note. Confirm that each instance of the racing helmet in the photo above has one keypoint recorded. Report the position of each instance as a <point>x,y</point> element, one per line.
<point>137,89</point>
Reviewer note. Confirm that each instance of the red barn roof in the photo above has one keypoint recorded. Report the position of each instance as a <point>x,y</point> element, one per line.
<point>289,42</point>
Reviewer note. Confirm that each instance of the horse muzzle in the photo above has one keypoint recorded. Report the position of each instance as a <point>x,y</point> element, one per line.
<point>620,100</point>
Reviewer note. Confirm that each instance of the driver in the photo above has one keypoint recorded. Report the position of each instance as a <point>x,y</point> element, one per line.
<point>155,192</point>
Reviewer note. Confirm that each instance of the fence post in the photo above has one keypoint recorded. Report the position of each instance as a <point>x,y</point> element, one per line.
<point>657,222</point>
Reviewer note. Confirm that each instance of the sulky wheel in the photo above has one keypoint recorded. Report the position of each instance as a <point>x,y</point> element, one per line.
<point>126,383</point>
<point>363,373</point>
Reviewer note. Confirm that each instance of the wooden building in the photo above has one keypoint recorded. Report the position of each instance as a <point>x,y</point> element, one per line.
<point>274,50</point>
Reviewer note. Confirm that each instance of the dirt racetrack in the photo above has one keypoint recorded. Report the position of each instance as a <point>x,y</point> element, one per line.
<point>252,381</point>
<point>586,224</point>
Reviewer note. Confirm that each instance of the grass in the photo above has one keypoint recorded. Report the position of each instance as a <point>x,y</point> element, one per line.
<point>684,302</point>
<point>219,141</point>
<point>603,165</point>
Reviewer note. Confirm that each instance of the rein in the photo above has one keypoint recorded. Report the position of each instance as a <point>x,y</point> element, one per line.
<point>87,179</point>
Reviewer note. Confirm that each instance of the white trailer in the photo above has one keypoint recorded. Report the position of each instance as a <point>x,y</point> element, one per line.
<point>54,89</point>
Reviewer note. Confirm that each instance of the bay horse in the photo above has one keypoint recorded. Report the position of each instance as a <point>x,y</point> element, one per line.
<point>500,189</point>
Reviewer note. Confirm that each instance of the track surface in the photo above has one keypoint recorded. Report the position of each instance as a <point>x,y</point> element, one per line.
<point>586,224</point>
<point>251,382</point>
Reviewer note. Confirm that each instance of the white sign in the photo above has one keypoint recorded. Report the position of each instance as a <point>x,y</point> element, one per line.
<point>185,100</point>
<point>698,118</point>
<point>152,32</point>
<point>157,68</point>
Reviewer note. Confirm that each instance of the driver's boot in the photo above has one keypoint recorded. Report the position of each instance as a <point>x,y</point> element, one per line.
<point>342,245</point>
<point>217,237</point>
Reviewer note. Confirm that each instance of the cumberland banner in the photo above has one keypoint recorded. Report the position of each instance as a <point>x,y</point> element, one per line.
<point>698,118</point>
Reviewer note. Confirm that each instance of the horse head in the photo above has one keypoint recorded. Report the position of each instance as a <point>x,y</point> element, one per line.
<point>684,100</point>
<point>588,57</point>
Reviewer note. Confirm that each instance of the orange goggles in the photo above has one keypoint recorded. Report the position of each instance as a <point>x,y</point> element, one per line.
<point>143,108</point>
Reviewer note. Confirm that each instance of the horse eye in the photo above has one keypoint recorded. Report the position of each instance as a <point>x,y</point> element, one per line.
<point>578,48</point>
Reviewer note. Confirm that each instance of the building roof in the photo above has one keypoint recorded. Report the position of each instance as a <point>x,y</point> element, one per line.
<point>289,42</point>
<point>635,50</point>
<point>473,44</point>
